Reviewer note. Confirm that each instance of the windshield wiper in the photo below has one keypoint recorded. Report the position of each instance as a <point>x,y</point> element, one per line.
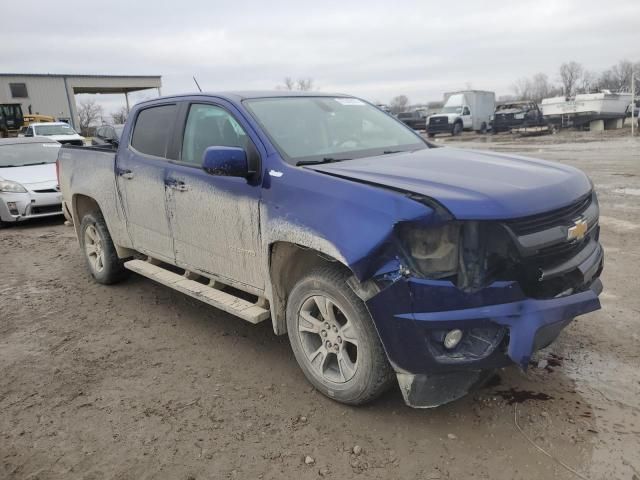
<point>37,163</point>
<point>387,152</point>
<point>318,162</point>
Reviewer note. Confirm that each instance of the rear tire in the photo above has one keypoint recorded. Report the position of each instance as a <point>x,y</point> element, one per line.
<point>99,252</point>
<point>334,339</point>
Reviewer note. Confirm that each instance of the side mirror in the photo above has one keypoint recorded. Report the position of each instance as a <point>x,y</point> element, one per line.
<point>226,162</point>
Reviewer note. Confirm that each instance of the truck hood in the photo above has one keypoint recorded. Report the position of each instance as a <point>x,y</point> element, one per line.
<point>30,174</point>
<point>472,185</point>
<point>450,116</point>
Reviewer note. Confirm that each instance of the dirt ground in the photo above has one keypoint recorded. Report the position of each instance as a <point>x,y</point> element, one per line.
<point>134,381</point>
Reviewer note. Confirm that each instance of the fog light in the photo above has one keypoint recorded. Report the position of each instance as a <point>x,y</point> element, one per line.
<point>13,209</point>
<point>452,338</point>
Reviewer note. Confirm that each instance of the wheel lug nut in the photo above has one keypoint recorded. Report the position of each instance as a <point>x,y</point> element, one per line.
<point>339,339</point>
<point>327,326</point>
<point>324,333</point>
<point>335,329</point>
<point>328,344</point>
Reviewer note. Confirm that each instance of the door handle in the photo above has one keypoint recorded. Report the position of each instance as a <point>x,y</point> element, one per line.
<point>128,174</point>
<point>178,185</point>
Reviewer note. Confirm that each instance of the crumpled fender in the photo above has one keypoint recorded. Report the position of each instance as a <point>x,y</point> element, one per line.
<point>347,220</point>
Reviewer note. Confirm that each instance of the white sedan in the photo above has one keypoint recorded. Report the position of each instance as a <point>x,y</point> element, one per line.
<point>28,181</point>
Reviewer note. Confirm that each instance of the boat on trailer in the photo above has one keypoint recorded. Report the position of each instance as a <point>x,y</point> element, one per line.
<point>585,108</point>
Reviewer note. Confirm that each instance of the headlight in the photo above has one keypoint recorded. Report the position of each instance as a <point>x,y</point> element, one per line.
<point>432,252</point>
<point>11,187</point>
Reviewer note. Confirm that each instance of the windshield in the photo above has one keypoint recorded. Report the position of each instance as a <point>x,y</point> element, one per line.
<point>451,109</point>
<point>21,154</point>
<point>53,130</point>
<point>326,128</point>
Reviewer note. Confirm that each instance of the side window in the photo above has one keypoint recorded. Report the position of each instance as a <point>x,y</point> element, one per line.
<point>466,111</point>
<point>152,130</point>
<point>29,132</point>
<point>209,126</point>
<point>18,90</point>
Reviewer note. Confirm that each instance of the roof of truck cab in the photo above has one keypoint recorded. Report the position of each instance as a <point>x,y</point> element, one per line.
<point>48,124</point>
<point>250,94</point>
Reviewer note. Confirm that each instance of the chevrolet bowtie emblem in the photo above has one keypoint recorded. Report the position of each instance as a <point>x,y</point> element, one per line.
<point>578,230</point>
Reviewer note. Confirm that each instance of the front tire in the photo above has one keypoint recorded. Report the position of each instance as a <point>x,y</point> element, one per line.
<point>457,129</point>
<point>334,339</point>
<point>99,252</point>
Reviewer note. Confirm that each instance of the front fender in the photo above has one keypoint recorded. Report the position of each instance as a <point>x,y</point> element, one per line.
<point>347,220</point>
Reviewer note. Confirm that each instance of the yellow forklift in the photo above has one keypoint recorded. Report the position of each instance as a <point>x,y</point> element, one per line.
<point>37,118</point>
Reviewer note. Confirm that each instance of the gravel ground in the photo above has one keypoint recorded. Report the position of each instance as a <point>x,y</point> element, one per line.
<point>134,381</point>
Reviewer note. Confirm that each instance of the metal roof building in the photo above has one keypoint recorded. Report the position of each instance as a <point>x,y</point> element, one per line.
<point>54,94</point>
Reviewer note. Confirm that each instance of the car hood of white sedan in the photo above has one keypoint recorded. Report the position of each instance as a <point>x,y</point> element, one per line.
<point>30,173</point>
<point>63,138</point>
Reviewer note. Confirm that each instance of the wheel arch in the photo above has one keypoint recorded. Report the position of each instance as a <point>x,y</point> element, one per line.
<point>81,205</point>
<point>288,262</point>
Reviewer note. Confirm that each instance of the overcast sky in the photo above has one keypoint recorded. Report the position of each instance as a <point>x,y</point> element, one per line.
<point>372,49</point>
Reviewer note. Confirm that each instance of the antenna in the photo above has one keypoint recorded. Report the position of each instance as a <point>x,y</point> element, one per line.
<point>197,84</point>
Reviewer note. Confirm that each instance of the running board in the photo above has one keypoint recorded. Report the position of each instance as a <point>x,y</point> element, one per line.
<point>229,303</point>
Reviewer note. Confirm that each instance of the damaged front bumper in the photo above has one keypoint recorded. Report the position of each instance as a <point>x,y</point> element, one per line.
<point>500,325</point>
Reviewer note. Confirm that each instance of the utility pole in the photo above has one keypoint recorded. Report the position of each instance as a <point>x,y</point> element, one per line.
<point>633,102</point>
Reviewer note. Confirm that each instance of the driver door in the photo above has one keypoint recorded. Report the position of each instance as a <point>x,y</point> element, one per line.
<point>467,122</point>
<point>214,220</point>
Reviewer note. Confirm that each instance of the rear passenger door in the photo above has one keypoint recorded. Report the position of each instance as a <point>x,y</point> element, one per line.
<point>140,171</point>
<point>214,219</point>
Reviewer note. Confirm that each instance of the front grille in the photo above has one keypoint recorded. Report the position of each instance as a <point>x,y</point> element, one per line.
<point>46,209</point>
<point>529,265</point>
<point>543,221</point>
<point>438,120</point>
<point>530,268</point>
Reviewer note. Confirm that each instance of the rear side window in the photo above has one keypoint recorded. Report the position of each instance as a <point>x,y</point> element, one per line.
<point>153,130</point>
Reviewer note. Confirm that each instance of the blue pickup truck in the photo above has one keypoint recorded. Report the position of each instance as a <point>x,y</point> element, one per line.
<point>383,257</point>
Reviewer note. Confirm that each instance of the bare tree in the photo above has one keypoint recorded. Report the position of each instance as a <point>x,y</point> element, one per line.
<point>618,77</point>
<point>399,104</point>
<point>120,116</point>
<point>88,112</point>
<point>305,84</point>
<point>302,84</point>
<point>570,73</point>
<point>536,88</point>
<point>522,89</point>
<point>588,81</point>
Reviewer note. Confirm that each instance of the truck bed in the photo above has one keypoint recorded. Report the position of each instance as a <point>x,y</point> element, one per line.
<point>90,171</point>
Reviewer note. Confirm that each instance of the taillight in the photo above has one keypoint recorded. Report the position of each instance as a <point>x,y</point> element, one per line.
<point>58,171</point>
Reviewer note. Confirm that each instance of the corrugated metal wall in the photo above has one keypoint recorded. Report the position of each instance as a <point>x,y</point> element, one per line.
<point>54,94</point>
<point>46,95</point>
